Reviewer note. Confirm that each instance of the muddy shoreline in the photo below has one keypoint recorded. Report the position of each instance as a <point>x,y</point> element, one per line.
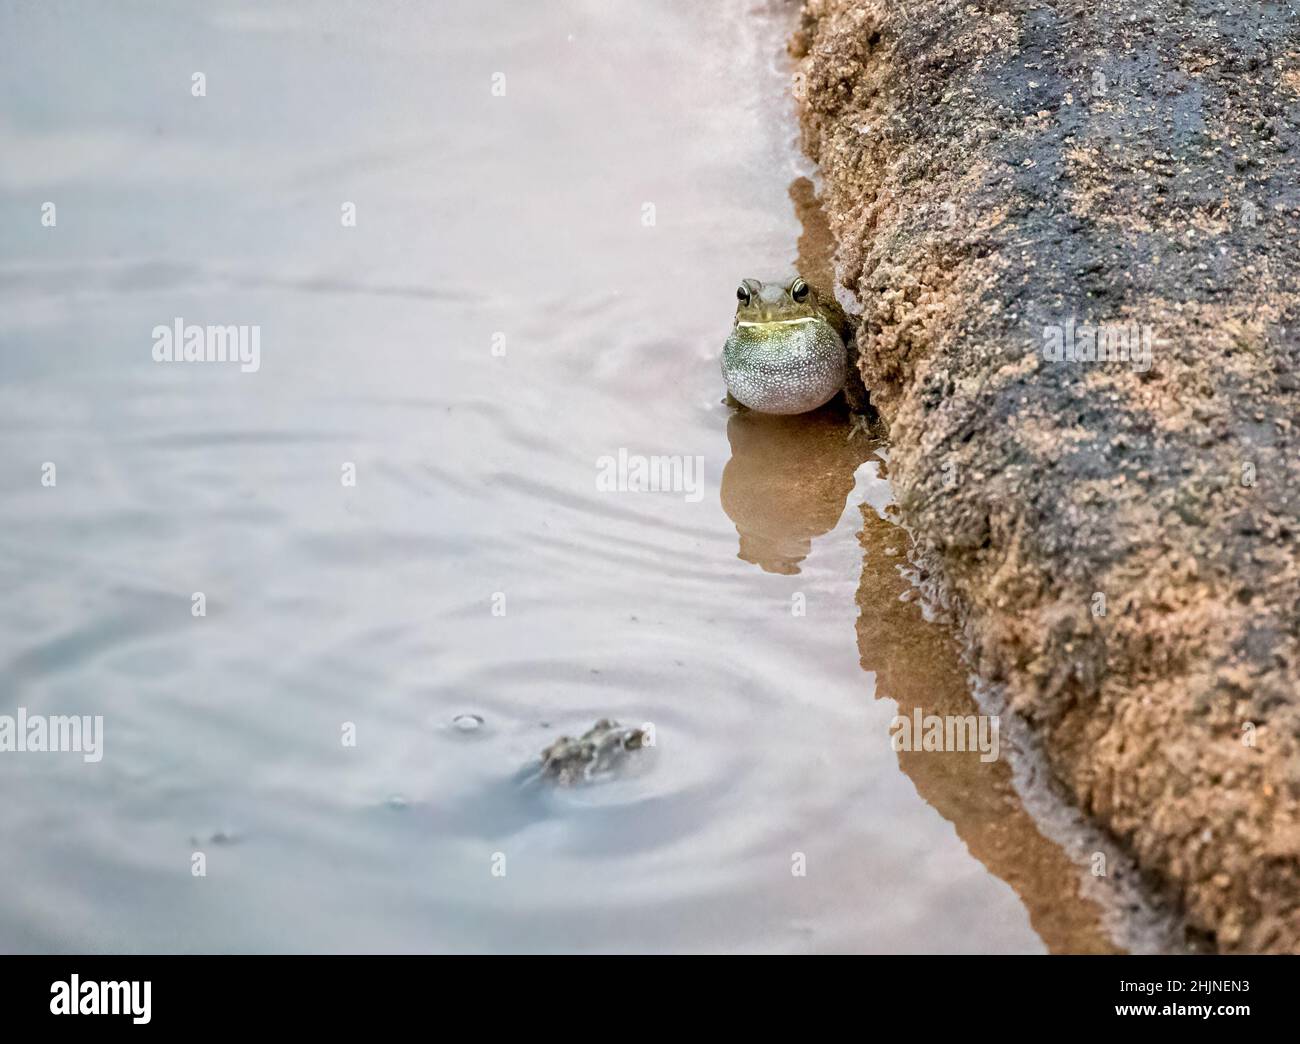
<point>1118,537</point>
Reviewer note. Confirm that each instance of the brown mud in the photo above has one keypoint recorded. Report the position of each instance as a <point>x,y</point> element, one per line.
<point>1118,540</point>
<point>785,486</point>
<point>919,666</point>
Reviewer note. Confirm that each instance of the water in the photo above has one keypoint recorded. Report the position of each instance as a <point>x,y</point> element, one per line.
<point>501,316</point>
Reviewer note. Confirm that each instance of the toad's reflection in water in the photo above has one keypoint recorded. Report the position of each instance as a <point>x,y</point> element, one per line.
<point>917,665</point>
<point>786,484</point>
<point>788,480</point>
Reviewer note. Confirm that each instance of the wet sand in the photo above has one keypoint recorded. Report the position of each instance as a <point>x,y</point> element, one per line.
<point>1117,536</point>
<point>789,477</point>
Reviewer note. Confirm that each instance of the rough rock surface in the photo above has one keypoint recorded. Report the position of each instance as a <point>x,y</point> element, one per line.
<point>993,170</point>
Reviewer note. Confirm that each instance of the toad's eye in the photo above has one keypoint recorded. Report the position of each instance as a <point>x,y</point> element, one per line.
<point>799,290</point>
<point>742,294</point>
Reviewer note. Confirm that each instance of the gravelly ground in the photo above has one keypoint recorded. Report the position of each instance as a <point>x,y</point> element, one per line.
<point>993,173</point>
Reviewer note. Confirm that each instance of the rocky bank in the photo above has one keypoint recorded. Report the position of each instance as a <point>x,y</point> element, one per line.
<point>1011,183</point>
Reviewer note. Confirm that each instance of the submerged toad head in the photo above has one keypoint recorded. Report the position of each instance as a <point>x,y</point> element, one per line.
<point>602,749</point>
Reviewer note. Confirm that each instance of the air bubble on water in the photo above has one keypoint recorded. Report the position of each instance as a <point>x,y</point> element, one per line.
<point>467,722</point>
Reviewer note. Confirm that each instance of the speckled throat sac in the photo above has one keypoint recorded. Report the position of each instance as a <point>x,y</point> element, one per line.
<point>789,366</point>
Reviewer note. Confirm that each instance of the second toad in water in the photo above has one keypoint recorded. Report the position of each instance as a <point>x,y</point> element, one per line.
<point>598,751</point>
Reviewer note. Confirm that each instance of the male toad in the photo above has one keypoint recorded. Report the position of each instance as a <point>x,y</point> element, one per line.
<point>786,353</point>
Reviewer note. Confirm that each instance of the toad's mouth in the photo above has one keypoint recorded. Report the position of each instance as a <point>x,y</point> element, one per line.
<point>779,322</point>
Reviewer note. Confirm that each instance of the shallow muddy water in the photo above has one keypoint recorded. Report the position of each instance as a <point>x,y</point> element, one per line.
<point>537,279</point>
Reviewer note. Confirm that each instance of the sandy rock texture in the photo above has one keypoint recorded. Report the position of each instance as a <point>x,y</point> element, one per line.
<point>1120,538</point>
